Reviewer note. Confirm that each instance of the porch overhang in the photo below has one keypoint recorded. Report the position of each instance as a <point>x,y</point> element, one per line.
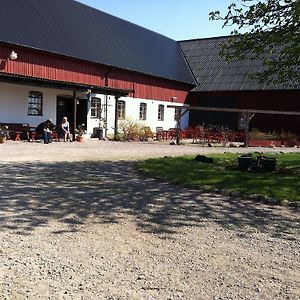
<point>12,78</point>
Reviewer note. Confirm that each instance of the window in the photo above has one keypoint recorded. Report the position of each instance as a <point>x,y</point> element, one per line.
<point>121,109</point>
<point>143,111</point>
<point>96,107</point>
<point>161,110</point>
<point>177,113</point>
<point>35,104</point>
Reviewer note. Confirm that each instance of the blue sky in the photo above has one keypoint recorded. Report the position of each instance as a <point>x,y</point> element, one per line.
<point>176,19</point>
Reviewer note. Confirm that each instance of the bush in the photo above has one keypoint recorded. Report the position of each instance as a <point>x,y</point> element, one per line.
<point>146,133</point>
<point>256,134</point>
<point>133,131</point>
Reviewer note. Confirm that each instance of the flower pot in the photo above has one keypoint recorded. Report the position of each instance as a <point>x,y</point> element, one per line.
<point>268,163</point>
<point>2,139</point>
<point>79,138</point>
<point>245,162</point>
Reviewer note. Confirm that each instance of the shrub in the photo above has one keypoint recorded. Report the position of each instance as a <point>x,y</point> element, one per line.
<point>133,131</point>
<point>256,134</point>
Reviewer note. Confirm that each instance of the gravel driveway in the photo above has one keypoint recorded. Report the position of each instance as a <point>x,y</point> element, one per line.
<point>74,229</point>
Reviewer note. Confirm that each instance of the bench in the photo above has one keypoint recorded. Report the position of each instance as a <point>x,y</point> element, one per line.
<point>17,131</point>
<point>33,136</point>
<point>57,134</point>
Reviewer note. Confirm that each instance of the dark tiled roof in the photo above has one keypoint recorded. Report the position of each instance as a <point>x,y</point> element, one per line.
<point>213,73</point>
<point>70,28</point>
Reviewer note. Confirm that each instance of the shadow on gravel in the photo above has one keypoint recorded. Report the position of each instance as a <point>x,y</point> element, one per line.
<point>105,192</point>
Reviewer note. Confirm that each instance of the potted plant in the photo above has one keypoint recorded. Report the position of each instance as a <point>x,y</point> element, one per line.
<point>4,134</point>
<point>79,133</point>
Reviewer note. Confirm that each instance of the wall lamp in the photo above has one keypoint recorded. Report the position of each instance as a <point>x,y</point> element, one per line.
<point>3,62</point>
<point>13,55</point>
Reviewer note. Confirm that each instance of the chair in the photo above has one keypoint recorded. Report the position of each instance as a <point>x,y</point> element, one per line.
<point>159,133</point>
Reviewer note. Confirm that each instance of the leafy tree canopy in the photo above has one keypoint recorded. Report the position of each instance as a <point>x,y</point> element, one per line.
<point>272,35</point>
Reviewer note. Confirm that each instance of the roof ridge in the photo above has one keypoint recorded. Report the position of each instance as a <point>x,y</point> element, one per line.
<point>207,38</point>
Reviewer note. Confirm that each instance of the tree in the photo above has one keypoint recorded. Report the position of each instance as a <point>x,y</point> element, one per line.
<point>271,33</point>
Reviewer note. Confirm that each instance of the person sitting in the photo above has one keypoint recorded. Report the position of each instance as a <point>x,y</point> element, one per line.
<point>45,129</point>
<point>65,127</point>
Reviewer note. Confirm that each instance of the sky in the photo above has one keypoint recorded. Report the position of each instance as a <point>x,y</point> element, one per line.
<point>176,19</point>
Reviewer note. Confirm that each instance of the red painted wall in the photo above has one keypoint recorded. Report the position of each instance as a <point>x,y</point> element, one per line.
<point>284,100</point>
<point>38,64</point>
<point>275,100</point>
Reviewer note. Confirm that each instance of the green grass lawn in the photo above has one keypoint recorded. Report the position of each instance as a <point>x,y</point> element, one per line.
<point>224,174</point>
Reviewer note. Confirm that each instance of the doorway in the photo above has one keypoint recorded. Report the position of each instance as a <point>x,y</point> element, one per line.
<point>81,113</point>
<point>64,108</point>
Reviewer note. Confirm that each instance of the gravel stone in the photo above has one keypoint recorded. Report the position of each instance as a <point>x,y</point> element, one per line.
<point>78,222</point>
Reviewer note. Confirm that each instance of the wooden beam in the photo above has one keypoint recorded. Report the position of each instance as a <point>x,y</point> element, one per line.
<point>239,110</point>
<point>250,113</point>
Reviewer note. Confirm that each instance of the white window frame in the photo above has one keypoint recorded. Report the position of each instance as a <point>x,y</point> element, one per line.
<point>143,111</point>
<point>161,112</point>
<point>121,109</point>
<point>96,107</point>
<point>177,113</point>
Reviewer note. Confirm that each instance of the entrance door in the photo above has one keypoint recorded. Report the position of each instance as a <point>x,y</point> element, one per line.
<point>81,114</point>
<point>65,108</point>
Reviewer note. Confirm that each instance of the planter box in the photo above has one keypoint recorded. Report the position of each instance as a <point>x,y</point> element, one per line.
<point>264,143</point>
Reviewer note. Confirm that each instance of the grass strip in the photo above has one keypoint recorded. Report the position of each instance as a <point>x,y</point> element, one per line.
<point>283,184</point>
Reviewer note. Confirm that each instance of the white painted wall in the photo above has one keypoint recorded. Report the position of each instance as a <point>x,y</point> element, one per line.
<point>14,103</point>
<point>14,108</point>
<point>132,112</point>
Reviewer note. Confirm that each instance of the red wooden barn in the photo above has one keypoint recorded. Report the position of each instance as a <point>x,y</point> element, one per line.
<point>230,85</point>
<point>62,58</point>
